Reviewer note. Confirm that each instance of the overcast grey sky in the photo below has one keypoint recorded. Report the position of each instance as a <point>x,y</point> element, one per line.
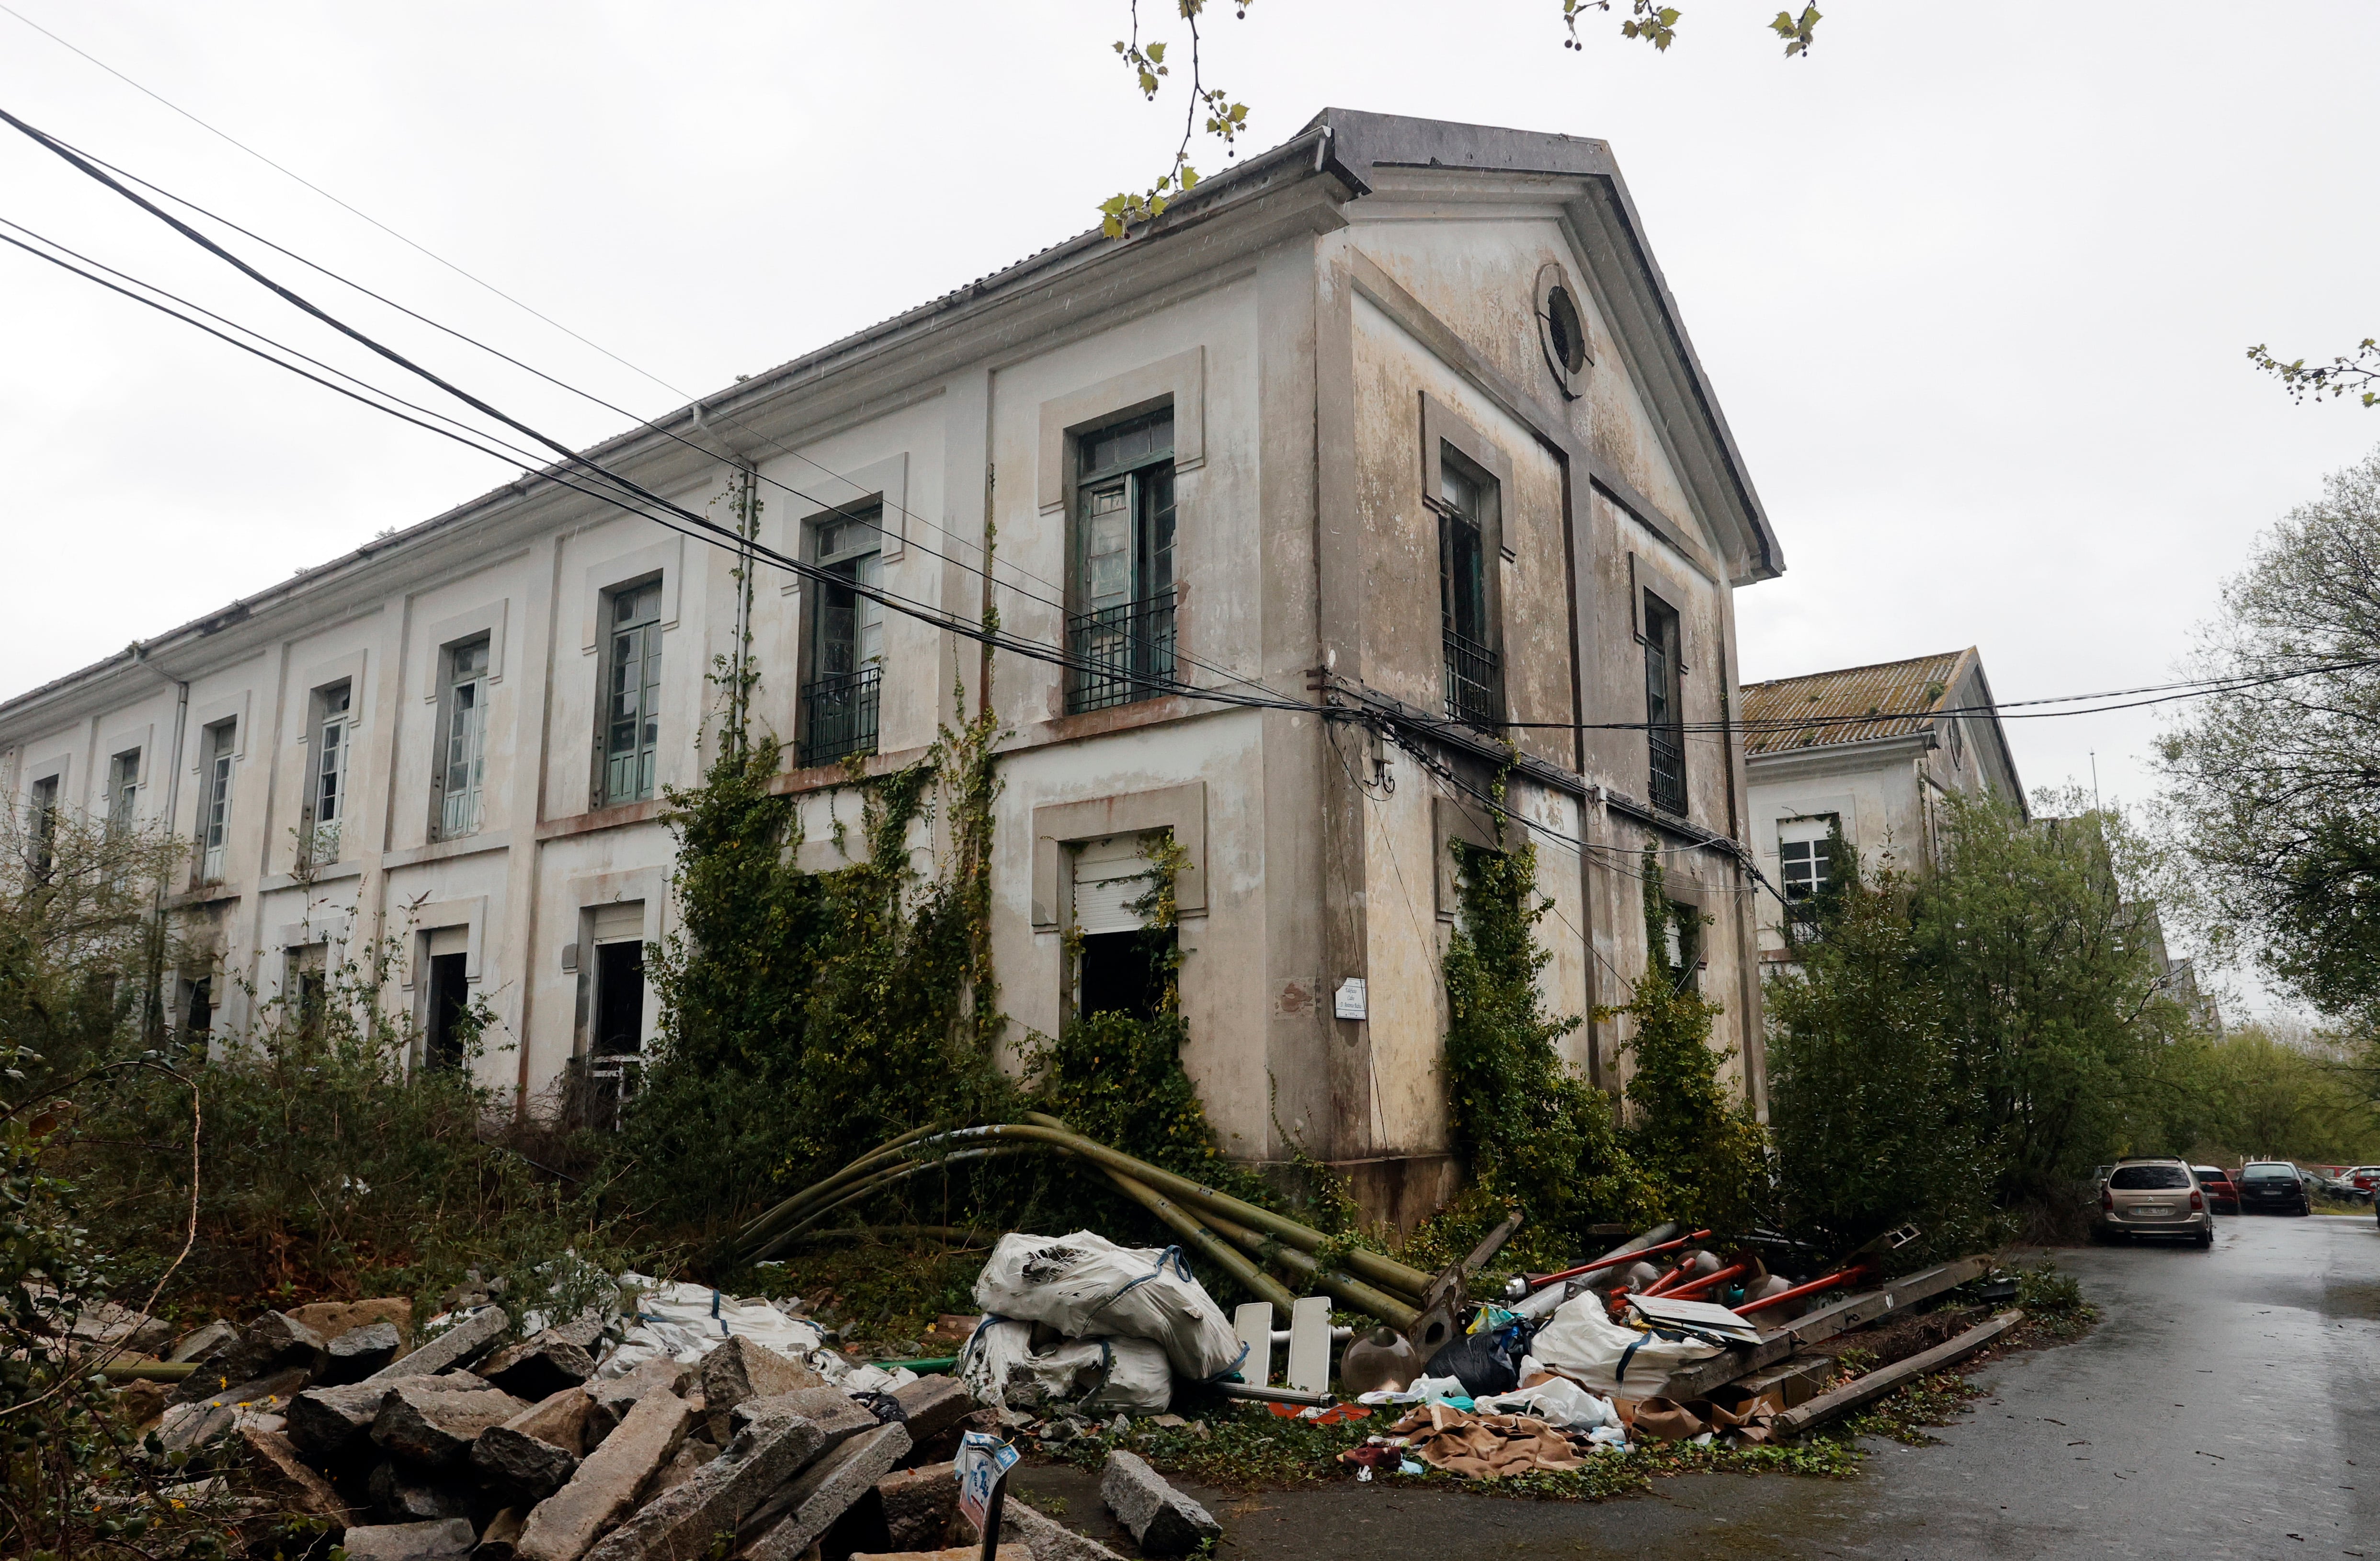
<point>1973,285</point>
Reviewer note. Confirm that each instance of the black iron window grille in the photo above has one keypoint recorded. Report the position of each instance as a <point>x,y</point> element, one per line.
<point>1669,780</point>
<point>1122,654</point>
<point>839,715</point>
<point>1474,693</point>
<point>1665,734</point>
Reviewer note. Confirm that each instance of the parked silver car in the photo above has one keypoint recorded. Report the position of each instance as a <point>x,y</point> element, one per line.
<point>2153,1197</point>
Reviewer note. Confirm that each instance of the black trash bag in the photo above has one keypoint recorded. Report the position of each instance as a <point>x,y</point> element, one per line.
<point>1487,1362</point>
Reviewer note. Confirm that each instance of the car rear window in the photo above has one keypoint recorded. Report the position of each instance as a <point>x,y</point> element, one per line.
<point>2208,1173</point>
<point>2269,1173</point>
<point>2145,1178</point>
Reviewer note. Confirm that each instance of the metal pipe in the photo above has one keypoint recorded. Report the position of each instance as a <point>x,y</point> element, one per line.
<point>1831,1280</point>
<point>1274,1394</point>
<point>1687,1292</point>
<point>1616,1257</point>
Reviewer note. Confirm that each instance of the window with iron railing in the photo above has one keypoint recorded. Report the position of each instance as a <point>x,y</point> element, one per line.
<point>1122,654</point>
<point>1665,732</point>
<point>841,700</point>
<point>1121,641</point>
<point>839,715</point>
<point>1474,683</point>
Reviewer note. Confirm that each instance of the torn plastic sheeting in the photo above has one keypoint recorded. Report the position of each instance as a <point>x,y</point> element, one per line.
<point>1557,1401</point>
<point>1085,1285</point>
<point>1001,1367</point>
<point>687,1321</point>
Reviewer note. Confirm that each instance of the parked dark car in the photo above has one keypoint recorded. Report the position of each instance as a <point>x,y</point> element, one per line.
<point>2273,1187</point>
<point>2222,1193</point>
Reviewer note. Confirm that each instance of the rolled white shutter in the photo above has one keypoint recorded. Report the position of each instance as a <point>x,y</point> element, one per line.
<point>1109,876</point>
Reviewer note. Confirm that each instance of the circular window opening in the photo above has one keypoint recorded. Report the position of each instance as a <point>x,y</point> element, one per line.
<point>1566,332</point>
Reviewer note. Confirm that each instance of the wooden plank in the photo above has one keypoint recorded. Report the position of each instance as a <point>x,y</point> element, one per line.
<point>1876,1384</point>
<point>1798,1378</point>
<point>1841,1316</point>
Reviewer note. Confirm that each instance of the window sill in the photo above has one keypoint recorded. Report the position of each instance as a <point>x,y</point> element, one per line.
<point>442,851</point>
<point>597,818</point>
<point>331,874</point>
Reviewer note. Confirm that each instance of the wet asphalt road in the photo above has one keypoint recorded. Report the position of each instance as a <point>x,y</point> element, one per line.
<point>2228,1405</point>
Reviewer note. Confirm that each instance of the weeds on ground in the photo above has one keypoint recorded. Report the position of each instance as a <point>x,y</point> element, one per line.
<point>1248,1448</point>
<point>1903,1415</point>
<point>2053,1303</point>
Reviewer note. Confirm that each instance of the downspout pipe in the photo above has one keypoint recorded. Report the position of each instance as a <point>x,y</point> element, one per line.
<point>161,1008</point>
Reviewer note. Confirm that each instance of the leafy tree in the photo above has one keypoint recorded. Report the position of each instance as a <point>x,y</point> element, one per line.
<point>2052,1000</point>
<point>2275,778</point>
<point>1872,1123</point>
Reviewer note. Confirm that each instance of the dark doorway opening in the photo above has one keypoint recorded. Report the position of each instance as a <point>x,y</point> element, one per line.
<point>1122,973</point>
<point>199,1014</point>
<point>619,998</point>
<point>449,1009</point>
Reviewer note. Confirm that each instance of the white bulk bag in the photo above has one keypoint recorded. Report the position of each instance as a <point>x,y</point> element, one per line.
<point>1582,1341</point>
<point>1084,1285</point>
<point>687,1321</point>
<point>1001,1368</point>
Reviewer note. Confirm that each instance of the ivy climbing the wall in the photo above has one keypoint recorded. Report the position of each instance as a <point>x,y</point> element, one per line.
<point>1534,1133</point>
<point>1689,1129</point>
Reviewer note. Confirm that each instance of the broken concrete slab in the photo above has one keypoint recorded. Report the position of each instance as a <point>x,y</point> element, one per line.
<point>822,1493</point>
<point>202,1342</point>
<point>273,1343</point>
<point>540,1367</point>
<point>281,1470</point>
<point>334,1319</point>
<point>931,1405</point>
<point>523,1467</point>
<point>836,1416</point>
<point>1005,1551</point>
<point>327,1421</point>
<point>564,1419</point>
<point>660,1375</point>
<point>458,1345</point>
<point>110,1326</point>
<point>1048,1539</point>
<point>403,1495</point>
<point>436,1429</point>
<point>1161,1520</point>
<point>443,1541</point>
<point>682,1523</point>
<point>359,1352</point>
<point>919,1504</point>
<point>503,1532</point>
<point>609,1481</point>
<point>740,1370</point>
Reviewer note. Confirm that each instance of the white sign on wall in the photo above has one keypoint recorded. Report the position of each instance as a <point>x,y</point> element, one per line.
<point>1348,1002</point>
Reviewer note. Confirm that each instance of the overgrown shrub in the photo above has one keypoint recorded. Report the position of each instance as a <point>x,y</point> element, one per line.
<point>1534,1134</point>
<point>1690,1134</point>
<point>1872,1126</point>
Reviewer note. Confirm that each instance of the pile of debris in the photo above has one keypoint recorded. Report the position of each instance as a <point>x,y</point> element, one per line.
<point>688,1425</point>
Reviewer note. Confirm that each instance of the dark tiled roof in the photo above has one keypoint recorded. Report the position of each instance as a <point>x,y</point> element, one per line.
<point>1856,704</point>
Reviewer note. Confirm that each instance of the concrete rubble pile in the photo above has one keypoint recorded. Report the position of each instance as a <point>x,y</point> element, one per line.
<point>691,1424</point>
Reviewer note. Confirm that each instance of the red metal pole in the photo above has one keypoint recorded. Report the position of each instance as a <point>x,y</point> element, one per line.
<point>1709,1282</point>
<point>1539,1281</point>
<point>1814,1285</point>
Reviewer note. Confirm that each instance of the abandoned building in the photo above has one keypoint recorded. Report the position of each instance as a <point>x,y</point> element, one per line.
<point>1231,461</point>
<point>1871,751</point>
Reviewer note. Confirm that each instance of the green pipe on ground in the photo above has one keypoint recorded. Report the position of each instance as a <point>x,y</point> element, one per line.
<point>148,1371</point>
<point>1335,1283</point>
<point>876,1184</point>
<point>761,1225</point>
<point>1372,1266</point>
<point>1255,1280</point>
